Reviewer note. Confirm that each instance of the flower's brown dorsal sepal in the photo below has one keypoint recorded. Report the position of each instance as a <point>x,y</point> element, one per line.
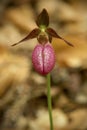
<point>53,33</point>
<point>33,34</point>
<point>43,19</point>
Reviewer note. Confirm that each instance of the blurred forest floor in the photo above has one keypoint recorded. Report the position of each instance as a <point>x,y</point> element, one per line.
<point>23,92</point>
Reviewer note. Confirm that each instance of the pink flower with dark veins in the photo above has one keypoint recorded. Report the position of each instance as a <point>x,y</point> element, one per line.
<point>43,58</point>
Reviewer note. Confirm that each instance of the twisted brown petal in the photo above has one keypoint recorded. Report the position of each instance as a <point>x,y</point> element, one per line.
<point>33,34</point>
<point>53,33</point>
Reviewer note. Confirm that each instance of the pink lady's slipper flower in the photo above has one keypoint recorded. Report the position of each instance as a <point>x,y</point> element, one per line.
<point>43,56</point>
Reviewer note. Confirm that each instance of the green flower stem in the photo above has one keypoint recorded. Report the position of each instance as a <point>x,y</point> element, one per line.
<point>49,101</point>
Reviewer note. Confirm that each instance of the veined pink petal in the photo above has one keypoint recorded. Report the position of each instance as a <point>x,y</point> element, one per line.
<point>43,58</point>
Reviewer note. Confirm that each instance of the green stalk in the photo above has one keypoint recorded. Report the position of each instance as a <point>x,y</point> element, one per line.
<point>49,101</point>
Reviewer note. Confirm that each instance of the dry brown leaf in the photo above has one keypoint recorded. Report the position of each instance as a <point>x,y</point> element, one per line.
<point>74,57</point>
<point>22,17</point>
<point>13,69</point>
<point>78,119</point>
<point>42,122</point>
